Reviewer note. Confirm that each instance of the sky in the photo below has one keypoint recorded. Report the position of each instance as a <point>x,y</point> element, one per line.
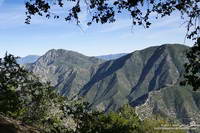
<point>42,34</point>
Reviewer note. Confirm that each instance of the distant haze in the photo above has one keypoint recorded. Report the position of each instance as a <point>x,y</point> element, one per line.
<point>33,58</point>
<point>28,59</point>
<point>111,56</point>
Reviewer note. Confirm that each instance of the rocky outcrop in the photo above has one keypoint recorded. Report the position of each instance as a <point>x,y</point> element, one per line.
<point>68,71</point>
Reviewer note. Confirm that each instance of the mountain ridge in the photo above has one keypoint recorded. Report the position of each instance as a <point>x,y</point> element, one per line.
<point>33,58</point>
<point>130,79</point>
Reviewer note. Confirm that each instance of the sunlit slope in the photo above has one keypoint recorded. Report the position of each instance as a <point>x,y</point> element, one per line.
<point>68,71</point>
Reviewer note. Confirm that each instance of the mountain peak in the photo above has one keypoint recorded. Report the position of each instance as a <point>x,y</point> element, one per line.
<point>65,69</point>
<point>61,52</point>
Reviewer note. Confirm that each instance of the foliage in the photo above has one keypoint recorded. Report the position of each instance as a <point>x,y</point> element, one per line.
<point>40,102</point>
<point>150,125</point>
<point>83,117</point>
<point>192,67</point>
<point>22,95</point>
<point>12,77</point>
<point>105,11</point>
<point>88,121</point>
<point>25,98</point>
<point>125,120</point>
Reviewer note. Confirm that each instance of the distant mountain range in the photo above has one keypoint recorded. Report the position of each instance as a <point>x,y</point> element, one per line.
<point>147,79</point>
<point>111,56</point>
<point>28,59</point>
<point>34,58</point>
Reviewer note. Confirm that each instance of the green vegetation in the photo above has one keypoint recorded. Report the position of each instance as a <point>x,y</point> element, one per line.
<point>179,103</point>
<point>130,79</point>
<point>192,69</point>
<point>23,97</point>
<point>109,85</point>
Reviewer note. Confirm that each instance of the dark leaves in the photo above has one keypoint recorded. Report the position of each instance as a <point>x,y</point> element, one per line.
<point>103,11</point>
<point>192,67</point>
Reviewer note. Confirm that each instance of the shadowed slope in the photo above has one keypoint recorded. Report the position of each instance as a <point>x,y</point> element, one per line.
<point>131,77</point>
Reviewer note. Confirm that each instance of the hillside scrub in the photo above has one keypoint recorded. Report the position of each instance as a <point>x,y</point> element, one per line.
<point>26,100</point>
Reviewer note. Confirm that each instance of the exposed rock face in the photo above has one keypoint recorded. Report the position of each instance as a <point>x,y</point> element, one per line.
<point>177,103</point>
<point>66,70</point>
<point>12,126</point>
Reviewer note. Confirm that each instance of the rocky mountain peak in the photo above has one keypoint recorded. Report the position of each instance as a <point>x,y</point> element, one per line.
<point>67,70</point>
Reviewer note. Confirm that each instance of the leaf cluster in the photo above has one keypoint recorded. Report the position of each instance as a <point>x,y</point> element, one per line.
<point>105,11</point>
<point>192,67</point>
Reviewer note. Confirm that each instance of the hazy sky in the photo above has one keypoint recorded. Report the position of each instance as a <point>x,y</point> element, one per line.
<point>21,39</point>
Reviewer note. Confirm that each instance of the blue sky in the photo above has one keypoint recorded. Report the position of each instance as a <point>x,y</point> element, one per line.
<point>21,39</point>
